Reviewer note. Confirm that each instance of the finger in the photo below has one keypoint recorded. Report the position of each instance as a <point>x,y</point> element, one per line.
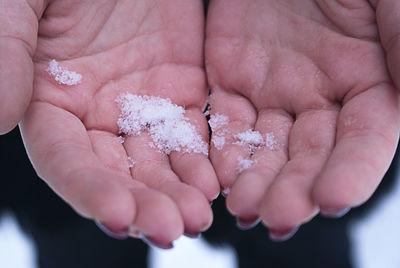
<point>288,202</point>
<point>225,155</point>
<point>153,209</point>
<point>19,27</point>
<point>153,169</point>
<point>195,168</point>
<point>388,18</point>
<point>110,150</point>
<point>158,218</point>
<point>61,152</point>
<point>248,190</point>
<point>367,134</point>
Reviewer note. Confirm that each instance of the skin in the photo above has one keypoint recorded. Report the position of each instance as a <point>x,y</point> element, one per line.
<point>314,74</point>
<point>70,132</point>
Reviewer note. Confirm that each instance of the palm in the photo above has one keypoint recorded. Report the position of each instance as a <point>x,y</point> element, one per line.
<point>315,79</point>
<point>71,131</point>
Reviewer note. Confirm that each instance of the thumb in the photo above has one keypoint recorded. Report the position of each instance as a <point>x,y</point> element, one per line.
<point>388,19</point>
<point>18,36</point>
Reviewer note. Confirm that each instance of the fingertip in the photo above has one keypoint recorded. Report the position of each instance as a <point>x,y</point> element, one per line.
<point>247,223</point>
<point>245,196</point>
<point>334,212</point>
<point>158,217</point>
<point>194,207</point>
<point>114,233</point>
<point>12,111</point>
<point>119,213</point>
<point>282,235</point>
<point>197,171</point>
<point>100,196</point>
<point>7,125</point>
<point>285,206</point>
<point>209,185</point>
<point>340,187</point>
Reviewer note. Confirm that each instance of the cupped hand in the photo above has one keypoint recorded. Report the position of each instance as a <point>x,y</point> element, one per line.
<point>71,132</point>
<point>311,78</point>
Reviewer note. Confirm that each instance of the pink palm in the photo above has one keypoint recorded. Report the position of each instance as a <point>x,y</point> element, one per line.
<point>313,74</point>
<point>141,47</point>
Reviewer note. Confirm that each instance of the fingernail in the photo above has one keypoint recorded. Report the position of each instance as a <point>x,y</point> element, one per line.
<point>280,235</point>
<point>154,243</point>
<point>246,224</point>
<point>225,192</point>
<point>334,213</point>
<point>191,234</point>
<point>117,234</point>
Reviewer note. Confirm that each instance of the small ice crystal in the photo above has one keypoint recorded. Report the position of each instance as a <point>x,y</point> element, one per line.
<point>249,137</point>
<point>217,121</point>
<point>252,139</point>
<point>62,75</point>
<point>131,163</point>
<point>165,122</point>
<point>207,112</point>
<point>218,141</point>
<point>121,139</point>
<point>244,164</point>
<point>270,141</point>
<point>225,192</point>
